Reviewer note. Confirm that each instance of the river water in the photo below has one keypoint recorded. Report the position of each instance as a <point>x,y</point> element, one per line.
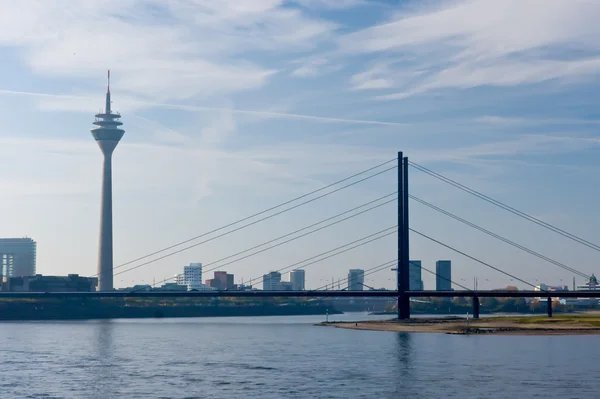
<point>284,357</point>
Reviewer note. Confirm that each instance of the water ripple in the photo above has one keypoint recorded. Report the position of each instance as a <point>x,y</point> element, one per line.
<point>218,359</point>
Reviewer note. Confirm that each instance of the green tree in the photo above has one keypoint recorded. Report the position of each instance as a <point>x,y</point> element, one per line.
<point>489,303</point>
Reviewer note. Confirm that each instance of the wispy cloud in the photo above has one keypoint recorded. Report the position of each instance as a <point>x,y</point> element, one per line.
<point>86,103</point>
<point>195,168</point>
<point>522,147</point>
<point>164,50</point>
<point>465,44</point>
<point>332,4</point>
<point>314,67</point>
<point>508,121</point>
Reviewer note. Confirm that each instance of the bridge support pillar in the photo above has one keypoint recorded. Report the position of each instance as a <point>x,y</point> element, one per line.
<point>403,245</point>
<point>549,305</point>
<point>475,307</point>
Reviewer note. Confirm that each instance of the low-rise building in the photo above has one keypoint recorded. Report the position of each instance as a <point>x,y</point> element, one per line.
<point>172,287</point>
<point>550,288</point>
<point>591,285</point>
<point>221,281</point>
<point>40,283</point>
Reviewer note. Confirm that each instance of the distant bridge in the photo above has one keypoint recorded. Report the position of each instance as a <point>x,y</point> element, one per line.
<point>475,295</point>
<point>304,294</point>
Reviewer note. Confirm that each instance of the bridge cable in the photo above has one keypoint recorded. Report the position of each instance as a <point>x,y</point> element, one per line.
<point>472,258</point>
<point>335,249</point>
<point>277,206</point>
<point>294,232</point>
<point>447,279</point>
<point>411,262</point>
<point>379,267</point>
<point>357,242</point>
<point>238,228</point>
<point>280,237</point>
<point>299,230</point>
<point>499,237</point>
<point>506,207</point>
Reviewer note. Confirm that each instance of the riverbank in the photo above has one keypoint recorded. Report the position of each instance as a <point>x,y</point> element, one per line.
<point>514,325</point>
<point>65,310</point>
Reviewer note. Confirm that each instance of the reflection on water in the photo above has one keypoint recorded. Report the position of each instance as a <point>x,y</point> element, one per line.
<point>404,350</point>
<point>405,364</point>
<point>103,341</point>
<point>103,355</point>
<point>284,357</point>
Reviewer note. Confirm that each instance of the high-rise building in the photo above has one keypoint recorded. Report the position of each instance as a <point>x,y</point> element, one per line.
<point>356,279</point>
<point>17,257</point>
<point>297,278</point>
<point>415,281</point>
<point>191,277</point>
<point>107,134</point>
<point>271,281</point>
<point>443,275</point>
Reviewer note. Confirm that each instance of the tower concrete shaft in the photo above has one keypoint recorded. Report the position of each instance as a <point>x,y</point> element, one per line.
<point>107,135</point>
<point>105,249</point>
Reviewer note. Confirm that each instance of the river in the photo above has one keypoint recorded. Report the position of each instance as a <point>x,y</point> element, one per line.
<point>284,357</point>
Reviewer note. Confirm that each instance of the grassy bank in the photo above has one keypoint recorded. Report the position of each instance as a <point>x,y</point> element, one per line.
<point>588,320</point>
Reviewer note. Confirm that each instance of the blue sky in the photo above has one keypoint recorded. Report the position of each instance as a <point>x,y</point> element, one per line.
<point>231,107</point>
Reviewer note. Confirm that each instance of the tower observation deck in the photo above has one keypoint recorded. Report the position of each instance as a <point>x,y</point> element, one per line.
<point>107,134</point>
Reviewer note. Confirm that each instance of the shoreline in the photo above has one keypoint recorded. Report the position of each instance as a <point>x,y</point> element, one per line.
<point>99,311</point>
<point>502,325</point>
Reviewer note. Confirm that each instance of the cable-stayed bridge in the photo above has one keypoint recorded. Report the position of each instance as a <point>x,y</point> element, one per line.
<point>401,230</point>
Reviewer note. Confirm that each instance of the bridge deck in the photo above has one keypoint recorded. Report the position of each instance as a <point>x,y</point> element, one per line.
<point>298,294</point>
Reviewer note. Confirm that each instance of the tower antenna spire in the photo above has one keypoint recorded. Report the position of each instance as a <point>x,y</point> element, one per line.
<point>107,108</point>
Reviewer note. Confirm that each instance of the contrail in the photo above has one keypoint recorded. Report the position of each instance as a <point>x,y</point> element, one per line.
<point>201,108</point>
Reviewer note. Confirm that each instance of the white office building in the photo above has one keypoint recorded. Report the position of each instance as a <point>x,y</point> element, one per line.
<point>192,278</point>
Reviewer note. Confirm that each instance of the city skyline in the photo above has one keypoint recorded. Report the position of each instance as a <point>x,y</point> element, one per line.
<point>212,139</point>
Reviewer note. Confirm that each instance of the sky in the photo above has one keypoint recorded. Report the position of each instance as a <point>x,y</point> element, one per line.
<point>231,107</point>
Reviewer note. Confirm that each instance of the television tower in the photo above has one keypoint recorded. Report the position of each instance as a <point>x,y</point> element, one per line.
<point>107,134</point>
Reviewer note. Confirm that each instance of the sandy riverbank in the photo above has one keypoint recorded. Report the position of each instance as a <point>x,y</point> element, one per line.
<point>536,325</point>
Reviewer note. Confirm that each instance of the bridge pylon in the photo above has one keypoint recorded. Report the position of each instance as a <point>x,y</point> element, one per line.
<point>403,243</point>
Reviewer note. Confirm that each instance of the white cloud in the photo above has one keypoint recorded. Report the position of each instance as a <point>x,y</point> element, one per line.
<point>313,67</point>
<point>373,77</point>
<point>504,121</point>
<point>161,133</point>
<point>332,4</point>
<point>88,103</point>
<point>56,167</point>
<point>500,73</point>
<point>524,145</point>
<point>160,51</point>
<point>469,43</point>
